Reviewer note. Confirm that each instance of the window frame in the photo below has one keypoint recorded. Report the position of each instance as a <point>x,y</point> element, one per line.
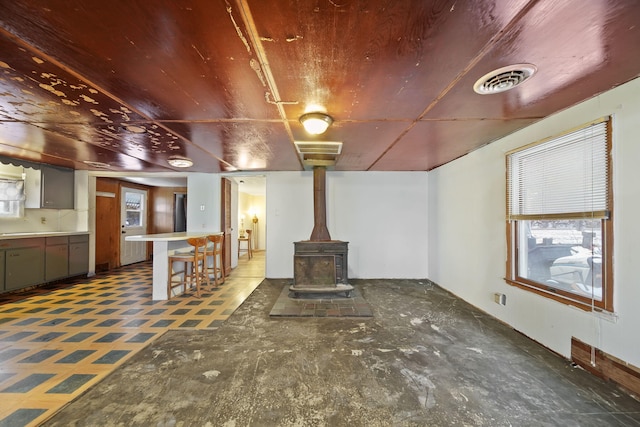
<point>141,208</point>
<point>512,233</point>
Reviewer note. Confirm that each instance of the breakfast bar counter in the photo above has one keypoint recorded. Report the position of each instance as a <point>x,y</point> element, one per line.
<point>163,245</point>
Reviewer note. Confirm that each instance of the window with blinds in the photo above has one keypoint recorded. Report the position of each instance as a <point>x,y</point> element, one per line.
<point>11,198</point>
<point>559,205</point>
<point>567,175</point>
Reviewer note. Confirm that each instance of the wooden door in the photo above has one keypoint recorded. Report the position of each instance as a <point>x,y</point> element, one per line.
<point>225,225</point>
<point>133,220</point>
<point>107,224</point>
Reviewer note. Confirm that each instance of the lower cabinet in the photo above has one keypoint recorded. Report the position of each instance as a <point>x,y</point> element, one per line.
<point>56,258</point>
<point>78,254</point>
<point>24,264</point>
<point>33,261</point>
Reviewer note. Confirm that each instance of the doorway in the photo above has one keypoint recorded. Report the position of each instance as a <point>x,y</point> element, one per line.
<point>251,213</point>
<point>133,221</point>
<point>179,212</point>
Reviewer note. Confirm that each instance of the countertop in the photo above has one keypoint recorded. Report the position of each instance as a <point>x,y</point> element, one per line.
<point>170,237</point>
<point>27,234</point>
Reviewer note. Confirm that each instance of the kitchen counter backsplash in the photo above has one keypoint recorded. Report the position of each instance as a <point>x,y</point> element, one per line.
<point>43,221</point>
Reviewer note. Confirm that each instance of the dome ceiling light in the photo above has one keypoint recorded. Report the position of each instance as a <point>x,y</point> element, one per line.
<point>504,79</point>
<point>180,162</point>
<point>316,123</point>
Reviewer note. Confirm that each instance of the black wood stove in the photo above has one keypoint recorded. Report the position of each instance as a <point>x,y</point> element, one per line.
<point>320,264</point>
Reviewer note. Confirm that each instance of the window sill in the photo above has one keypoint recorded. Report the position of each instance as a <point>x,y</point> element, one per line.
<point>556,296</point>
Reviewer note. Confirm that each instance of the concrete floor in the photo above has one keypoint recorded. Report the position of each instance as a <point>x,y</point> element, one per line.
<point>426,358</point>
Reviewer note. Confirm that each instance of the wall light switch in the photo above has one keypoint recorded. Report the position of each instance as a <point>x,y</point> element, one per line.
<point>500,298</point>
<point>202,207</point>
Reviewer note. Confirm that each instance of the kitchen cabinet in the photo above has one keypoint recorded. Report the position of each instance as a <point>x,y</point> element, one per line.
<point>78,254</point>
<point>33,261</point>
<point>58,188</point>
<point>50,188</point>
<point>56,259</point>
<point>24,263</point>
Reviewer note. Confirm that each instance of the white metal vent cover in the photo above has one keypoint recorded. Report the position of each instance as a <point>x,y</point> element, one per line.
<point>325,148</point>
<point>504,78</point>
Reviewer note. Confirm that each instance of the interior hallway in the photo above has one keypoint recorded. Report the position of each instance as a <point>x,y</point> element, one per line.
<point>58,341</point>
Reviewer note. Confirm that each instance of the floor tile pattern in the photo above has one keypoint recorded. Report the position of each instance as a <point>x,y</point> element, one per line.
<point>59,340</point>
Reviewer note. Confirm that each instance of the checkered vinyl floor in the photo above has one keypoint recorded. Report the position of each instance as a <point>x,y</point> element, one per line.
<point>55,344</point>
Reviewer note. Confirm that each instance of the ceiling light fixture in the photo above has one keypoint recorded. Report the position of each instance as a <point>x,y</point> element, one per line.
<point>504,78</point>
<point>135,128</point>
<point>316,123</point>
<point>180,162</point>
<point>98,165</point>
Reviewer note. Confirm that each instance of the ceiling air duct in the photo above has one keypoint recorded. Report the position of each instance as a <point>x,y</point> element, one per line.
<point>318,153</point>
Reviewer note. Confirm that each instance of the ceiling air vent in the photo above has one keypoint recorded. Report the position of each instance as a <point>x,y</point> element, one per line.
<point>318,153</point>
<point>504,79</point>
<point>318,147</point>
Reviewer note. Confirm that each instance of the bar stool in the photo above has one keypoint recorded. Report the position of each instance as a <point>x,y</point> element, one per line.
<point>215,252</point>
<point>194,267</point>
<point>247,239</point>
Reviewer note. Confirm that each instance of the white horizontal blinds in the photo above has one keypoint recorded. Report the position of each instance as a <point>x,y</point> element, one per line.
<point>11,189</point>
<point>563,177</point>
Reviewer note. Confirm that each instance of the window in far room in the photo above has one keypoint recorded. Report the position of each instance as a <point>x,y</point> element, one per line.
<point>559,217</point>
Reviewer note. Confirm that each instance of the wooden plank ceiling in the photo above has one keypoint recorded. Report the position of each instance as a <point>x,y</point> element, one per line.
<point>224,82</point>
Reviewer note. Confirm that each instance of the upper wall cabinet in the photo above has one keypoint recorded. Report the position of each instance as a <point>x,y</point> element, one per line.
<point>58,189</point>
<point>50,188</point>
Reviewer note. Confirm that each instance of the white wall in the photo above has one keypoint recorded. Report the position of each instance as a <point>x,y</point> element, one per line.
<point>468,244</point>
<point>203,202</point>
<point>383,216</point>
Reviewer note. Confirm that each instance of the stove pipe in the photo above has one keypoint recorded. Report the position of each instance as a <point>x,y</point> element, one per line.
<point>320,232</point>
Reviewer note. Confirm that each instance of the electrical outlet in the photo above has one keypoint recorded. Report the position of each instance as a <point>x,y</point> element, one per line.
<point>43,220</point>
<point>500,298</point>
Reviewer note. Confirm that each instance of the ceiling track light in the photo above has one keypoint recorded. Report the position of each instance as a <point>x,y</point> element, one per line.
<point>180,162</point>
<point>316,123</point>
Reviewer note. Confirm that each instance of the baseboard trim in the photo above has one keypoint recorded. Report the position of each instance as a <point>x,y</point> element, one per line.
<point>606,366</point>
